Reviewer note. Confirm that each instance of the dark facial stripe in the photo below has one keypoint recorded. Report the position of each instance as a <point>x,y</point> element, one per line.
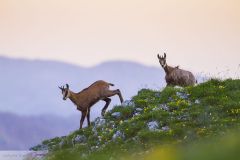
<point>66,93</point>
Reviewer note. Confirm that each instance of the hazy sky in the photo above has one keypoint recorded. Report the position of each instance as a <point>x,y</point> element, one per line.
<point>200,35</point>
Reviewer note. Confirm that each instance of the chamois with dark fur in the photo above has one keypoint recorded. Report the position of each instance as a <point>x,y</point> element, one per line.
<point>86,98</point>
<point>174,75</point>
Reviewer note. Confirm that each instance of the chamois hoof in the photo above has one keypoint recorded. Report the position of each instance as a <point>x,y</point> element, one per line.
<point>103,113</point>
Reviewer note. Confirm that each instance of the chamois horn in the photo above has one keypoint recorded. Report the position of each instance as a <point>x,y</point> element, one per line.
<point>67,86</point>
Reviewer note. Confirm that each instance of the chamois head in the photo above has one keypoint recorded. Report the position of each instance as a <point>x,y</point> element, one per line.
<point>162,60</point>
<point>65,91</point>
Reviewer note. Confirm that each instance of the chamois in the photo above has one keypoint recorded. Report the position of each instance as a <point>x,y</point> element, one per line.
<point>86,98</point>
<point>174,75</point>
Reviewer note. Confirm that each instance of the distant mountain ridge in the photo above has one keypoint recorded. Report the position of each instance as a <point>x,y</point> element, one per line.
<point>29,87</point>
<point>36,111</point>
<point>21,132</point>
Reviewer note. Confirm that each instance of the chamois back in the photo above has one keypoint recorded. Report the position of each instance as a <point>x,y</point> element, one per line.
<point>180,77</point>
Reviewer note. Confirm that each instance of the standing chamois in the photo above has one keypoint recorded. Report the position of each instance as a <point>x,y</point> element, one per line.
<point>174,75</point>
<point>86,98</point>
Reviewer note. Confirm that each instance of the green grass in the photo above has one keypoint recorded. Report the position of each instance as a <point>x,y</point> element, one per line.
<point>194,115</point>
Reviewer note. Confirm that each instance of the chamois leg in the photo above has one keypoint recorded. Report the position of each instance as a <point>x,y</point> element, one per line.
<point>114,92</point>
<point>82,119</point>
<point>120,95</point>
<point>107,100</point>
<point>88,116</point>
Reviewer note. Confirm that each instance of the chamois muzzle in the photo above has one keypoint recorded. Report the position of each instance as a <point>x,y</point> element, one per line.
<point>64,91</point>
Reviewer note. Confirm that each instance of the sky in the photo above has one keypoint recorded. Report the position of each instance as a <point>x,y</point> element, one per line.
<point>199,35</point>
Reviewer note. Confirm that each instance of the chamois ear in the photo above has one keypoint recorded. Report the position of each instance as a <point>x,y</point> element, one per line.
<point>158,56</point>
<point>165,55</point>
<point>67,86</point>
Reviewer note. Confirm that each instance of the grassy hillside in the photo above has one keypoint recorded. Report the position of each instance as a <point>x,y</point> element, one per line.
<point>176,123</point>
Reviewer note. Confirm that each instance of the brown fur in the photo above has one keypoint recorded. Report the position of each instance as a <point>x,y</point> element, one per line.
<point>175,76</point>
<point>86,98</point>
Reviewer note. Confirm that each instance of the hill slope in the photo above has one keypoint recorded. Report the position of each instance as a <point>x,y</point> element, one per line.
<point>152,119</point>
